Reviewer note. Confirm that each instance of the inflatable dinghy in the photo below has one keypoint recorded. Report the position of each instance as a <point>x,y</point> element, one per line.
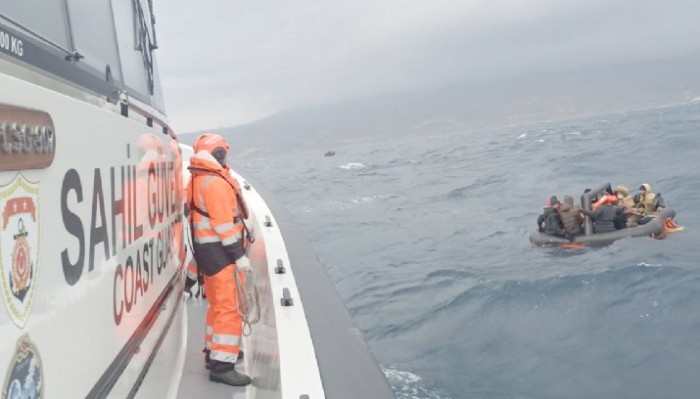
<point>655,227</point>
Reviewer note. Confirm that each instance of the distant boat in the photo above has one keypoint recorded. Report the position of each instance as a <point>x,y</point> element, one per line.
<point>329,153</point>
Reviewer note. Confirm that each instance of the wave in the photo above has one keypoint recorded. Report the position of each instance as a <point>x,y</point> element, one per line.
<point>491,298</point>
<point>645,264</point>
<point>449,273</point>
<point>352,165</point>
<point>351,203</point>
<point>427,242</point>
<point>480,183</point>
<point>407,385</point>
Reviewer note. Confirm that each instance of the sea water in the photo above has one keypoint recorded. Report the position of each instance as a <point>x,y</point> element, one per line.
<point>426,240</point>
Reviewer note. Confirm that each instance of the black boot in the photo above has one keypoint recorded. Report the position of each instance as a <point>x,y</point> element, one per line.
<point>207,358</point>
<point>224,373</point>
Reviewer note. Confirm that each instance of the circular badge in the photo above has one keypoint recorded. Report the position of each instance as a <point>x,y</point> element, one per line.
<point>24,378</point>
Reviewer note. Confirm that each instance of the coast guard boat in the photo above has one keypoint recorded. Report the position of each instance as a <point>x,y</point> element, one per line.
<point>93,238</point>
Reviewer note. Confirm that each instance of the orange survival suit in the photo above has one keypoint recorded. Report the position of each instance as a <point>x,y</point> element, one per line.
<point>217,210</point>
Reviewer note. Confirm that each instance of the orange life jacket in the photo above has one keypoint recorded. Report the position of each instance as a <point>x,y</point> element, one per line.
<point>217,210</point>
<point>606,200</point>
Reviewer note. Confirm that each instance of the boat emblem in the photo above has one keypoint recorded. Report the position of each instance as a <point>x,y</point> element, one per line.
<point>24,375</point>
<point>19,246</point>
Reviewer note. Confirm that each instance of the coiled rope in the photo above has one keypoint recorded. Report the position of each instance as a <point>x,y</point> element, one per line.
<point>244,299</point>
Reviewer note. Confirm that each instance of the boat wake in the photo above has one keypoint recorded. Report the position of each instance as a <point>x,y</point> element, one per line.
<point>407,385</point>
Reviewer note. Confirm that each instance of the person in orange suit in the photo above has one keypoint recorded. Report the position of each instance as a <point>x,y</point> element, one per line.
<point>217,211</point>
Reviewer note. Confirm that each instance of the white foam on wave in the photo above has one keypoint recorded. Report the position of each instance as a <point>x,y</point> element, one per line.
<point>407,385</point>
<point>522,136</point>
<point>352,202</point>
<point>645,264</point>
<point>402,376</point>
<point>352,165</point>
<point>339,205</point>
<point>364,200</point>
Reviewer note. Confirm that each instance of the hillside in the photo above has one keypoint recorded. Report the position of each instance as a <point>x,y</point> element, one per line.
<point>545,96</point>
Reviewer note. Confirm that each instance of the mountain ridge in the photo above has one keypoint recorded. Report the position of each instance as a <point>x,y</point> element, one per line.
<point>466,106</point>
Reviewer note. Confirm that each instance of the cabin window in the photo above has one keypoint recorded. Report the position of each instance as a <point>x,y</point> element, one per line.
<point>115,41</point>
<point>44,17</point>
<point>135,45</point>
<point>94,37</point>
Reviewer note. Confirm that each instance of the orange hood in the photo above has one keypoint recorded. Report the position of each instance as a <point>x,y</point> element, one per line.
<point>204,163</point>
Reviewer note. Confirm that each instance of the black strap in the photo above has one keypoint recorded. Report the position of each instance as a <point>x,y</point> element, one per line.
<point>198,210</point>
<point>190,222</point>
<point>242,209</point>
<point>239,201</point>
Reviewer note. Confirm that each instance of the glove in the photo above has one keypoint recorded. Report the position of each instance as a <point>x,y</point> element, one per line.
<point>243,264</point>
<point>188,287</point>
<point>188,284</point>
<point>251,230</point>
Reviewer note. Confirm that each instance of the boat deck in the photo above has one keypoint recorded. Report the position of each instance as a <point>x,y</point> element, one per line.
<point>195,382</point>
<point>304,344</point>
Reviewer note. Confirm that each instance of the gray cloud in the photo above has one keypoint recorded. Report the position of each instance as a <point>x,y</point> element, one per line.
<point>232,62</point>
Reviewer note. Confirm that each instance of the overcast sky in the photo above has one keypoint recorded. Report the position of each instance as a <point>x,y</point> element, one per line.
<point>228,62</point>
